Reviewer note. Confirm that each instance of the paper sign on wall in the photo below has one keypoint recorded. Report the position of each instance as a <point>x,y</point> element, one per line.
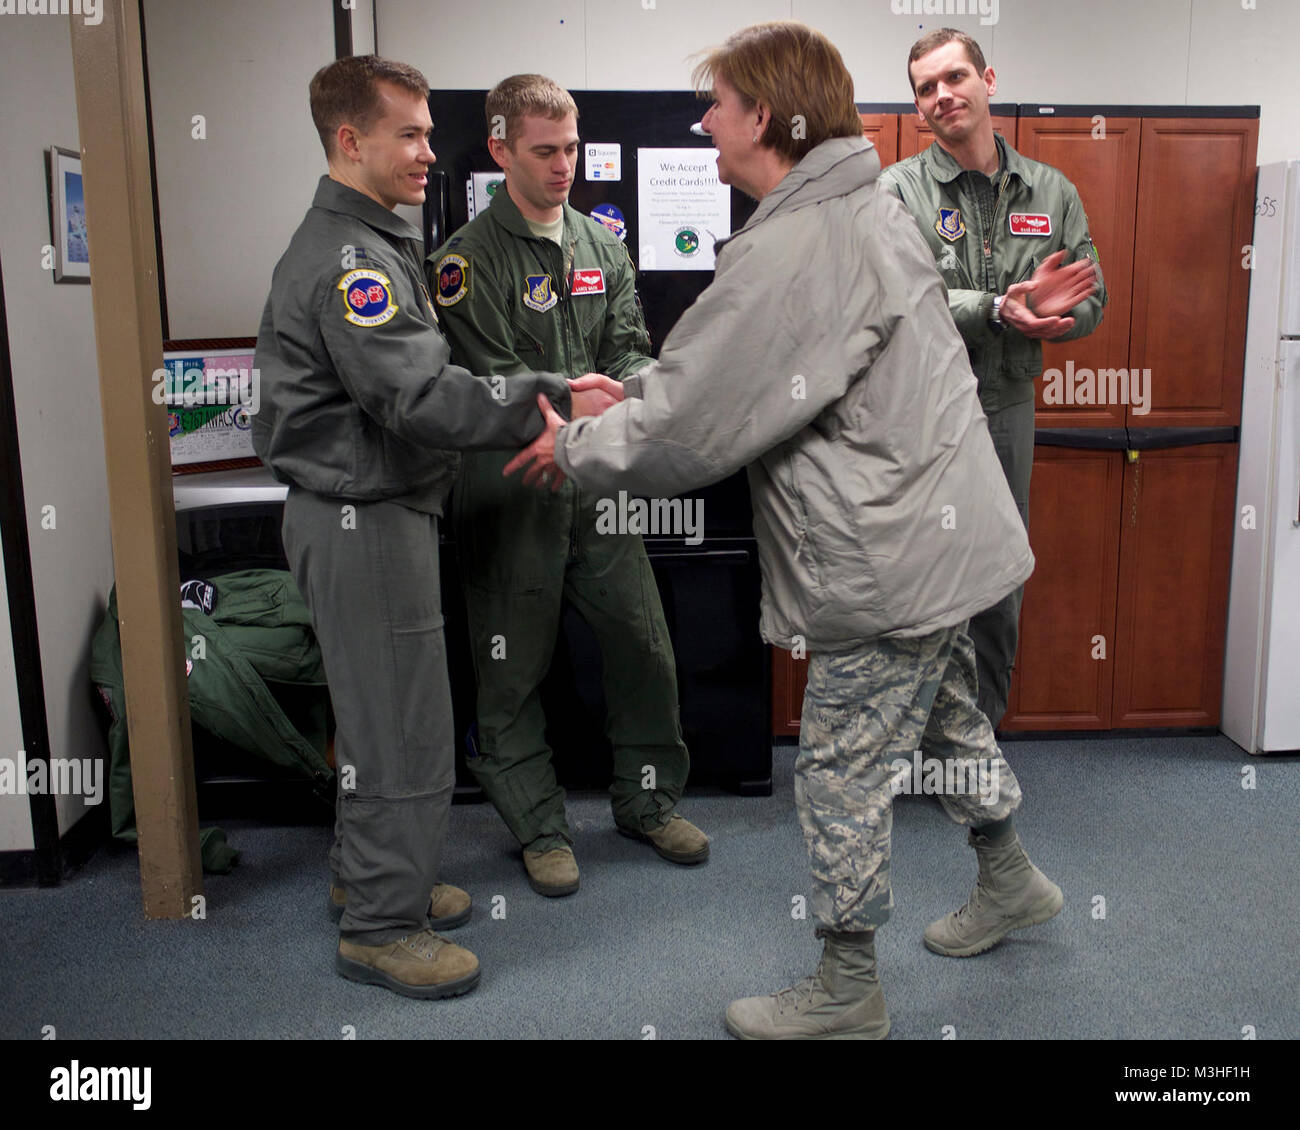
<point>682,208</point>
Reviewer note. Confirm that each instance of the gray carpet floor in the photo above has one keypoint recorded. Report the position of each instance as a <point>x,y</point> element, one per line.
<point>1198,940</point>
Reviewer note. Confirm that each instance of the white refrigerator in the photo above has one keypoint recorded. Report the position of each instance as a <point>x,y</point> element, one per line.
<point>1261,683</point>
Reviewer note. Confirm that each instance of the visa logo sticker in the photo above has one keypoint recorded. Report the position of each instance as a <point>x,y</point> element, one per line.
<point>590,281</point>
<point>1030,223</point>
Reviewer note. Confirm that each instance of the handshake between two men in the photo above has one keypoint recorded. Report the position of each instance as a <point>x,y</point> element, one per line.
<point>590,395</point>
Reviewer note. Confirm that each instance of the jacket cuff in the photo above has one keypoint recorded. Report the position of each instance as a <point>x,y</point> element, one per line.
<point>557,392</point>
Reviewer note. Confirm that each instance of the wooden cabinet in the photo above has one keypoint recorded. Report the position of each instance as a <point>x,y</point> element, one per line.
<point>882,131</point>
<point>1123,621</point>
<point>1105,171</point>
<point>1190,288</point>
<point>789,678</point>
<point>914,135</point>
<point>1175,556</point>
<point>1062,679</point>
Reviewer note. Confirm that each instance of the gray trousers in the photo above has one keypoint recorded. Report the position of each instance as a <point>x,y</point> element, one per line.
<point>995,632</point>
<point>368,573</point>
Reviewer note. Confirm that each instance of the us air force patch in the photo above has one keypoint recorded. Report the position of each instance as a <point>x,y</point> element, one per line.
<point>367,298</point>
<point>453,279</point>
<point>538,293</point>
<point>949,224</point>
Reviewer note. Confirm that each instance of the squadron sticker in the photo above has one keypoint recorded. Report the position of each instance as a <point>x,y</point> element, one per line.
<point>539,295</point>
<point>367,298</point>
<point>949,224</point>
<point>453,279</point>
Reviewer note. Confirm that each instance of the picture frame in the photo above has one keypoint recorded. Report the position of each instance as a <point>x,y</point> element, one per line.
<point>67,216</point>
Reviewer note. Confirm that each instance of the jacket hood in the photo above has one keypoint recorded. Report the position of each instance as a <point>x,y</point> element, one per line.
<point>832,169</point>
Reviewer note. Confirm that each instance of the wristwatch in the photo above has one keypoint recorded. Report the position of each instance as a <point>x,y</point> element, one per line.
<point>995,321</point>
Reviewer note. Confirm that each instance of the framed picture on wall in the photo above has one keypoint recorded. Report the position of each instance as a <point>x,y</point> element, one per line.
<point>67,216</point>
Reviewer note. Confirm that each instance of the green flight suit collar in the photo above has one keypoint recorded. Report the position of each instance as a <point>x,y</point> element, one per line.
<point>506,212</point>
<point>336,197</point>
<point>944,168</point>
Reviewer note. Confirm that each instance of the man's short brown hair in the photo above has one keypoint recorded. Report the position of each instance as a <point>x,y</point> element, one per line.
<point>518,97</point>
<point>797,73</point>
<point>348,91</point>
<point>938,38</point>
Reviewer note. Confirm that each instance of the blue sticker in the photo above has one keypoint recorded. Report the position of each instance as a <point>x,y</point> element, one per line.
<point>609,216</point>
<point>949,224</point>
<point>538,293</point>
<point>367,298</point>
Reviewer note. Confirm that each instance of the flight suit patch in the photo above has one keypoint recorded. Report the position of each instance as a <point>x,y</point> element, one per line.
<point>538,293</point>
<point>453,279</point>
<point>367,298</point>
<point>589,281</point>
<point>949,224</point>
<point>1030,223</point>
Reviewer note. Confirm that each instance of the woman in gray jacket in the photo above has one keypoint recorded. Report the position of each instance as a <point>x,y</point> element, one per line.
<point>823,359</point>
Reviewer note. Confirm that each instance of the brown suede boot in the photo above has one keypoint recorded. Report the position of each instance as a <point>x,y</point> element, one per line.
<point>552,873</point>
<point>678,841</point>
<point>421,965</point>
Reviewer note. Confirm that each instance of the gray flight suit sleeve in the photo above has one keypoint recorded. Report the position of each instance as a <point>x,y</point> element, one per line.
<point>401,376</point>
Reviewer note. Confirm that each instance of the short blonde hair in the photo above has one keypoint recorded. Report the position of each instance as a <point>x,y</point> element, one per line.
<point>796,72</point>
<point>516,97</point>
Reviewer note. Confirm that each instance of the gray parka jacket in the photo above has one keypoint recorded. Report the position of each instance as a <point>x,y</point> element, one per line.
<point>824,359</point>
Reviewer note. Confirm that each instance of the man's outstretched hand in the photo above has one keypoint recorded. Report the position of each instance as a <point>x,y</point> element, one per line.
<point>537,460</point>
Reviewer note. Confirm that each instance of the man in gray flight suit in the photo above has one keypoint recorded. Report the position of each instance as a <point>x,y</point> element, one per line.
<point>532,282</point>
<point>358,400</point>
<point>999,226</point>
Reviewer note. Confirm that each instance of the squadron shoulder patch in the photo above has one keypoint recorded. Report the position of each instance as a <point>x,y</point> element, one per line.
<point>367,297</point>
<point>453,279</point>
<point>538,293</point>
<point>949,224</point>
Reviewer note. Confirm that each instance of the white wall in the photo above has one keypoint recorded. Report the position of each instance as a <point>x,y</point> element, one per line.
<point>56,388</point>
<point>229,204</point>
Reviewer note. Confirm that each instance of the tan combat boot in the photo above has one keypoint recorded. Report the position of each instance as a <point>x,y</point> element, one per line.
<point>421,965</point>
<point>678,841</point>
<point>449,906</point>
<point>841,1001</point>
<point>1010,894</point>
<point>552,873</point>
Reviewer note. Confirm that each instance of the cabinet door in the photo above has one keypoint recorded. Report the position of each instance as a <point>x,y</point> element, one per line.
<point>1175,556</point>
<point>1190,288</point>
<point>789,678</point>
<point>914,135</point>
<point>1105,171</point>
<point>882,131</point>
<point>1060,681</point>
